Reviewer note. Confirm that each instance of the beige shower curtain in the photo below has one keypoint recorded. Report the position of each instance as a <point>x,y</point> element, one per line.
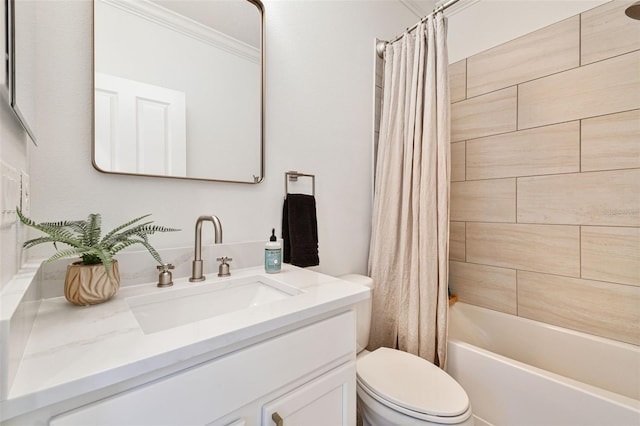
<point>409,251</point>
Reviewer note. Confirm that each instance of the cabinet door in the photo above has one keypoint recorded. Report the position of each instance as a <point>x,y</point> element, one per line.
<point>327,400</point>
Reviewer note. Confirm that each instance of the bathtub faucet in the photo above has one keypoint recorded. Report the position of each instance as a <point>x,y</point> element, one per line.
<point>196,269</point>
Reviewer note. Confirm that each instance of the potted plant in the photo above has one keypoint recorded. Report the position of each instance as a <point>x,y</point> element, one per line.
<point>96,277</point>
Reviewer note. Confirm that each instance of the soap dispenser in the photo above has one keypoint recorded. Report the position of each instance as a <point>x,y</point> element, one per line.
<point>273,254</point>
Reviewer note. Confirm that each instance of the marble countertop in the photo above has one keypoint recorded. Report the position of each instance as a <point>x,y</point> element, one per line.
<point>75,350</point>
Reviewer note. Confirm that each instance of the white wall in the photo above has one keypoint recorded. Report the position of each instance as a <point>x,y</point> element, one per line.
<point>319,103</point>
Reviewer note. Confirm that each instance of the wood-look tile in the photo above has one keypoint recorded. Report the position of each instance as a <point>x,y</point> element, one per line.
<point>543,52</point>
<point>487,286</point>
<point>457,161</point>
<point>457,241</point>
<point>545,248</point>
<point>609,198</point>
<point>605,87</point>
<point>607,31</point>
<point>484,115</point>
<point>595,307</point>
<point>611,254</point>
<point>458,80</point>
<point>539,151</point>
<point>611,141</point>
<point>484,200</point>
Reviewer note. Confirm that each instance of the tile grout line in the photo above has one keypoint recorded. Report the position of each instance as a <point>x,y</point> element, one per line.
<point>476,138</point>
<point>517,200</point>
<point>580,40</point>
<point>465,161</point>
<point>578,172</point>
<point>487,222</point>
<point>580,169</point>
<point>517,124</point>
<point>534,271</point>
<point>580,146</point>
<point>580,248</point>
<point>466,78</point>
<point>517,298</point>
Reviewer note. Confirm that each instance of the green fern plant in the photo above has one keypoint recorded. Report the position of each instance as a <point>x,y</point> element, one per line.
<point>84,237</point>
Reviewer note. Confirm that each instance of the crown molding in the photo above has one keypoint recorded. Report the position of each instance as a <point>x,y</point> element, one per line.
<point>417,7</point>
<point>188,27</point>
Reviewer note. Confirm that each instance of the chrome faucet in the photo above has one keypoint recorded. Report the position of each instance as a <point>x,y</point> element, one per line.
<point>196,269</point>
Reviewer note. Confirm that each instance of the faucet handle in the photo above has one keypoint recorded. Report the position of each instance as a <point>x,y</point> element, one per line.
<point>165,267</point>
<point>164,278</point>
<point>223,269</point>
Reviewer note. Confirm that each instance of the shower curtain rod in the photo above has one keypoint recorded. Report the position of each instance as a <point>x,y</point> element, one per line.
<point>382,44</point>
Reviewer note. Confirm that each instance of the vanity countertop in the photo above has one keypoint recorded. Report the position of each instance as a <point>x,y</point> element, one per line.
<point>74,350</point>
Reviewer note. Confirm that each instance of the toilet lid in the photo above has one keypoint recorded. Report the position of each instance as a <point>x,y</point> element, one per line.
<point>412,383</point>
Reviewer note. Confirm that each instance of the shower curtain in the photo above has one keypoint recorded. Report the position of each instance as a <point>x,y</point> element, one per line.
<point>409,251</point>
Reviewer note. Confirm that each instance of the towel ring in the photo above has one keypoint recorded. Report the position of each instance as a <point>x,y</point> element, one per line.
<point>292,176</point>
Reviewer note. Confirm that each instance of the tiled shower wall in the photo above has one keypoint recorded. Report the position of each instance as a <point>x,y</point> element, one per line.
<point>545,193</point>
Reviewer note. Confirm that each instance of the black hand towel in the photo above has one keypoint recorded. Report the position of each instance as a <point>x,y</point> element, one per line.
<point>300,230</point>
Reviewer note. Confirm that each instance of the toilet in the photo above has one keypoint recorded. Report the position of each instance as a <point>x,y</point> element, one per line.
<point>398,388</point>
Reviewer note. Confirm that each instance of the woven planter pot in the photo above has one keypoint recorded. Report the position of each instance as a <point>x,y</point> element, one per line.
<point>90,284</point>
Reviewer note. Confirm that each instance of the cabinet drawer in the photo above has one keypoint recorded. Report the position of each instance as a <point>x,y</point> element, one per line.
<point>327,400</point>
<point>201,394</point>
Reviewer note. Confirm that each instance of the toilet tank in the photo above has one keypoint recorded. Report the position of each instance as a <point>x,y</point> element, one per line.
<point>363,311</point>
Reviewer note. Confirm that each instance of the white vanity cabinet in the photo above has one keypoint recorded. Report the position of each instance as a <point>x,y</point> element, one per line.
<point>305,377</point>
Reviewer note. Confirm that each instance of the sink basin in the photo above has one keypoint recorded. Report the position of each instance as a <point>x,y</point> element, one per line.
<point>175,307</point>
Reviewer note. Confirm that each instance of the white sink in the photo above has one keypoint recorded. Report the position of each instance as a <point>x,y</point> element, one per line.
<point>175,307</point>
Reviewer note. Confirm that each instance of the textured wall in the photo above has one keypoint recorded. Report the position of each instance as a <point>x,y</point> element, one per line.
<point>545,198</point>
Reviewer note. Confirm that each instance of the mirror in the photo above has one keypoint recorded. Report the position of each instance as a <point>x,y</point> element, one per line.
<point>21,60</point>
<point>178,88</point>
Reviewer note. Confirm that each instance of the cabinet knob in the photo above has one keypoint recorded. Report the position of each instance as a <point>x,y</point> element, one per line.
<point>279,421</point>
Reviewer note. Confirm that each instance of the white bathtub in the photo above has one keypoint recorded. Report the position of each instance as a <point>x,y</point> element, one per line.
<point>522,372</point>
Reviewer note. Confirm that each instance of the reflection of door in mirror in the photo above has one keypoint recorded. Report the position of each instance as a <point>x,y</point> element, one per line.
<point>150,122</point>
<point>178,88</point>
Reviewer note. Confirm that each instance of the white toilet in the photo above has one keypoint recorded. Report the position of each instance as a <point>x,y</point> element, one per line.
<point>398,388</point>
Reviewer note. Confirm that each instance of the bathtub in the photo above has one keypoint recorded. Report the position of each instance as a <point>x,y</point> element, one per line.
<point>522,372</point>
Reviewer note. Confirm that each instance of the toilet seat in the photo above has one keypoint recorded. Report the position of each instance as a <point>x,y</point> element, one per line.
<point>413,386</point>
